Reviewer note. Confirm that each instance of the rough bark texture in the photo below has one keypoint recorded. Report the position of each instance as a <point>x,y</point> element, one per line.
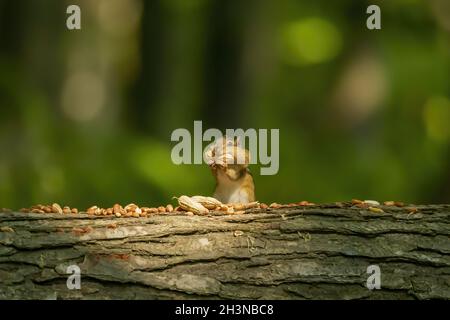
<point>319,252</point>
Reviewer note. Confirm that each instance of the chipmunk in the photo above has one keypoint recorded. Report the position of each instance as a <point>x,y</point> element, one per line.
<point>229,165</point>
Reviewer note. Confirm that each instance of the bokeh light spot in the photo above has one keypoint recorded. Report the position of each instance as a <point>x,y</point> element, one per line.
<point>119,17</point>
<point>310,41</point>
<point>83,96</point>
<point>437,117</point>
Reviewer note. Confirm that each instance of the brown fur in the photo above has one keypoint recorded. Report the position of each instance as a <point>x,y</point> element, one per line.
<point>234,178</point>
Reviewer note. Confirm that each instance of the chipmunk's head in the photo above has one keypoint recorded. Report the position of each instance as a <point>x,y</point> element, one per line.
<point>226,150</point>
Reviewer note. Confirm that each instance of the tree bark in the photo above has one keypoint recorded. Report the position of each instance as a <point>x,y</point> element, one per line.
<point>318,252</point>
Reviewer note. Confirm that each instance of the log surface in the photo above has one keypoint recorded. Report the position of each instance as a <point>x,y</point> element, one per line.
<point>319,252</point>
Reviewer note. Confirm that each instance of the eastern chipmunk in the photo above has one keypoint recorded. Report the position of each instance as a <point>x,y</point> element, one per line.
<point>229,165</point>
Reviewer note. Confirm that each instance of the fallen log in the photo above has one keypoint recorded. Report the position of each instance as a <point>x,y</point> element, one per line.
<point>313,252</point>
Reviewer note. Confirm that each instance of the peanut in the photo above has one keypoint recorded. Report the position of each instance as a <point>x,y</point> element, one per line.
<point>6,229</point>
<point>238,233</point>
<point>372,202</point>
<point>92,210</point>
<point>117,208</point>
<point>131,207</point>
<point>47,209</point>
<point>207,202</point>
<point>56,208</point>
<point>189,205</point>
<point>412,210</point>
<point>263,206</point>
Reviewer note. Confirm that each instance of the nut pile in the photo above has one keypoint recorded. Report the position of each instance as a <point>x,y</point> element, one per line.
<point>195,205</point>
<point>199,205</point>
<point>53,208</point>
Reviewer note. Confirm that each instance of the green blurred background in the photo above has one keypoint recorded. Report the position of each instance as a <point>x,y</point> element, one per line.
<point>86,116</point>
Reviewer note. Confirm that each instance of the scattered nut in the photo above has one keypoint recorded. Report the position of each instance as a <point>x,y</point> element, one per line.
<point>161,209</point>
<point>305,203</point>
<point>6,229</point>
<point>92,210</point>
<point>48,209</point>
<point>131,207</point>
<point>372,202</point>
<point>245,206</point>
<point>56,208</point>
<point>117,208</point>
<point>377,210</point>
